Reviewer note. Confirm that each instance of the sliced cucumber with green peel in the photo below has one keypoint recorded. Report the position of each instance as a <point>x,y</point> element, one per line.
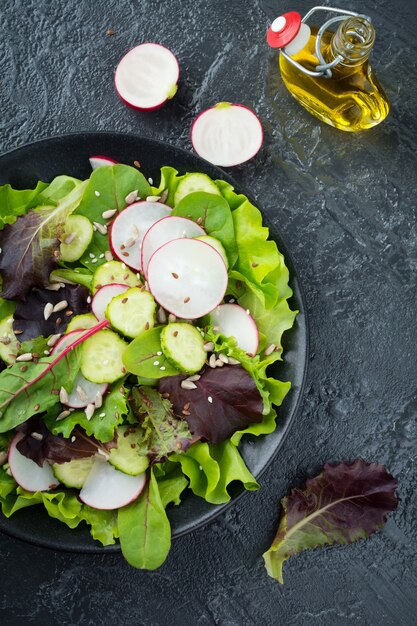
<point>183,346</point>
<point>195,182</point>
<point>73,473</point>
<point>101,357</point>
<point>215,243</point>
<point>132,312</point>
<point>126,457</point>
<point>9,345</point>
<point>114,272</point>
<point>76,238</point>
<point>82,322</point>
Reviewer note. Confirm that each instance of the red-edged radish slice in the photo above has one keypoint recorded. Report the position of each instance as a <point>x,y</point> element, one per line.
<point>107,488</point>
<point>85,392</point>
<point>27,473</point>
<point>167,229</point>
<point>187,277</point>
<point>129,228</point>
<point>232,320</point>
<point>227,134</point>
<point>103,296</point>
<point>147,76</point>
<point>66,340</point>
<point>99,160</point>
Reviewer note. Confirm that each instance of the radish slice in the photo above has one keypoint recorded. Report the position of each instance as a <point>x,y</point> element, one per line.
<point>27,473</point>
<point>187,277</point>
<point>232,320</point>
<point>99,160</point>
<point>129,228</point>
<point>147,76</point>
<point>85,392</point>
<point>103,296</point>
<point>66,340</point>
<point>227,134</point>
<point>107,488</point>
<point>167,229</point>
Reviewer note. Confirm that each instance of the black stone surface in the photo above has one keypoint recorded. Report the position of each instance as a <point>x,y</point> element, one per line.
<point>346,208</point>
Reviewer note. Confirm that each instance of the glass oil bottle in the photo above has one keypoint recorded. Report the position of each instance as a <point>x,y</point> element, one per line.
<point>329,72</point>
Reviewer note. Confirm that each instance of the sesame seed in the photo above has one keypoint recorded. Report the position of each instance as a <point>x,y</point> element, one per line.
<point>159,353</point>
<point>247,312</point>
<point>156,362</point>
<point>97,193</point>
<point>101,256</point>
<point>37,436</point>
<point>89,299</point>
<point>210,399</point>
<point>102,415</point>
<point>150,181</point>
<point>162,368</point>
<point>93,260</point>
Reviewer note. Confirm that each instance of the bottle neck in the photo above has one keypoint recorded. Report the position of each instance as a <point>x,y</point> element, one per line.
<point>353,40</point>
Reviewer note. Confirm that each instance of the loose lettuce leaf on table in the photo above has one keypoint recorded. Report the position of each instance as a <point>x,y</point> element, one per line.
<point>343,504</point>
<point>30,246</point>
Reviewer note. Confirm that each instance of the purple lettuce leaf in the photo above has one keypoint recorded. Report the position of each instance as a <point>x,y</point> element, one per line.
<point>345,503</point>
<point>29,314</point>
<point>225,400</point>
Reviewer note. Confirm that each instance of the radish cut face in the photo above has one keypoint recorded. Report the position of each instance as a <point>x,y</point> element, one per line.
<point>227,134</point>
<point>85,392</point>
<point>187,277</point>
<point>167,229</point>
<point>130,227</point>
<point>232,320</point>
<point>103,296</point>
<point>67,340</point>
<point>99,161</point>
<point>27,473</point>
<point>107,488</point>
<point>147,76</point>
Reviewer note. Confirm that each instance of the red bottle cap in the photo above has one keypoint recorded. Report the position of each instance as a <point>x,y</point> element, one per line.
<point>283,29</point>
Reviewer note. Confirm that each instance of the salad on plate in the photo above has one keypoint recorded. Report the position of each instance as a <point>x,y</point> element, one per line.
<point>137,324</point>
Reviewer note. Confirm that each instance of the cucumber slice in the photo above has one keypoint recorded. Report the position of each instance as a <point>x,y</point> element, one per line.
<point>73,473</point>
<point>215,243</point>
<point>79,233</point>
<point>101,357</point>
<point>9,345</point>
<point>126,457</point>
<point>183,346</point>
<point>195,182</point>
<point>114,272</point>
<point>132,312</point>
<point>82,322</point>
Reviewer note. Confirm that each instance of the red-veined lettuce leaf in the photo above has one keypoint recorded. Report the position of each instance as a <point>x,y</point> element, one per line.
<point>346,502</point>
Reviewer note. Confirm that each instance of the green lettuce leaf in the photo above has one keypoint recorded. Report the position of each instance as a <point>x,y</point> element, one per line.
<point>104,422</point>
<point>345,503</point>
<point>78,275</point>
<point>211,468</point>
<point>16,202</point>
<point>144,528</point>
<point>171,482</point>
<point>144,356</point>
<point>169,182</point>
<point>60,187</point>
<point>107,189</point>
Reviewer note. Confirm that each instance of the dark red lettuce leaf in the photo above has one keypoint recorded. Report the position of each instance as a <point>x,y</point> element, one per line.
<point>55,448</point>
<point>29,316</point>
<point>346,502</point>
<point>226,400</point>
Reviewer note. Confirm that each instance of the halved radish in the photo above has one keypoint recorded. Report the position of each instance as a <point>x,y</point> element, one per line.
<point>27,473</point>
<point>232,320</point>
<point>187,277</point>
<point>167,229</point>
<point>147,76</point>
<point>129,228</point>
<point>103,296</point>
<point>107,488</point>
<point>84,392</point>
<point>67,340</point>
<point>99,160</point>
<point>227,134</point>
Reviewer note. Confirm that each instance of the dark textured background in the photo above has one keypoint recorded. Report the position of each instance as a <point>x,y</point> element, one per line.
<point>345,205</point>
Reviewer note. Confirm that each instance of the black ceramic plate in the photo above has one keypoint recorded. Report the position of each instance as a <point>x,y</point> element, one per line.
<point>68,154</point>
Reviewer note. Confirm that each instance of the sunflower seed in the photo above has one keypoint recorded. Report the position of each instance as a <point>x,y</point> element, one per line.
<point>98,401</point>
<point>209,346</point>
<point>187,384</point>
<point>63,395</point>
<point>164,196</point>
<point>36,436</point>
<point>48,310</point>
<point>62,415</point>
<point>212,361</point>
<point>106,215</point>
<point>89,411</point>
<point>108,255</point>
<point>102,228</point>
<point>52,340</point>
<point>25,357</point>
<point>54,287</point>
<point>193,378</point>
<point>129,242</point>
<point>131,197</point>
<point>153,198</point>
<point>135,230</point>
<point>102,453</point>
<point>60,306</point>
<point>223,358</point>
<point>81,394</point>
<point>69,238</point>
<point>269,350</point>
<point>219,363</point>
<point>161,316</point>
<point>233,361</point>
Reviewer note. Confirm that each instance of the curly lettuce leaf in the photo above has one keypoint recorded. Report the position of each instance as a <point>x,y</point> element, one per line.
<point>30,246</point>
<point>169,182</point>
<point>211,468</point>
<point>107,189</point>
<point>16,202</point>
<point>102,424</point>
<point>343,504</point>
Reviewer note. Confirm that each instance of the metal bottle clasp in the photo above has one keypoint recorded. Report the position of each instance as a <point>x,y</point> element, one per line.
<point>323,68</point>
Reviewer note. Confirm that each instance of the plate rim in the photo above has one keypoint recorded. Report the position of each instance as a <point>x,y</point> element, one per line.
<point>216,510</point>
